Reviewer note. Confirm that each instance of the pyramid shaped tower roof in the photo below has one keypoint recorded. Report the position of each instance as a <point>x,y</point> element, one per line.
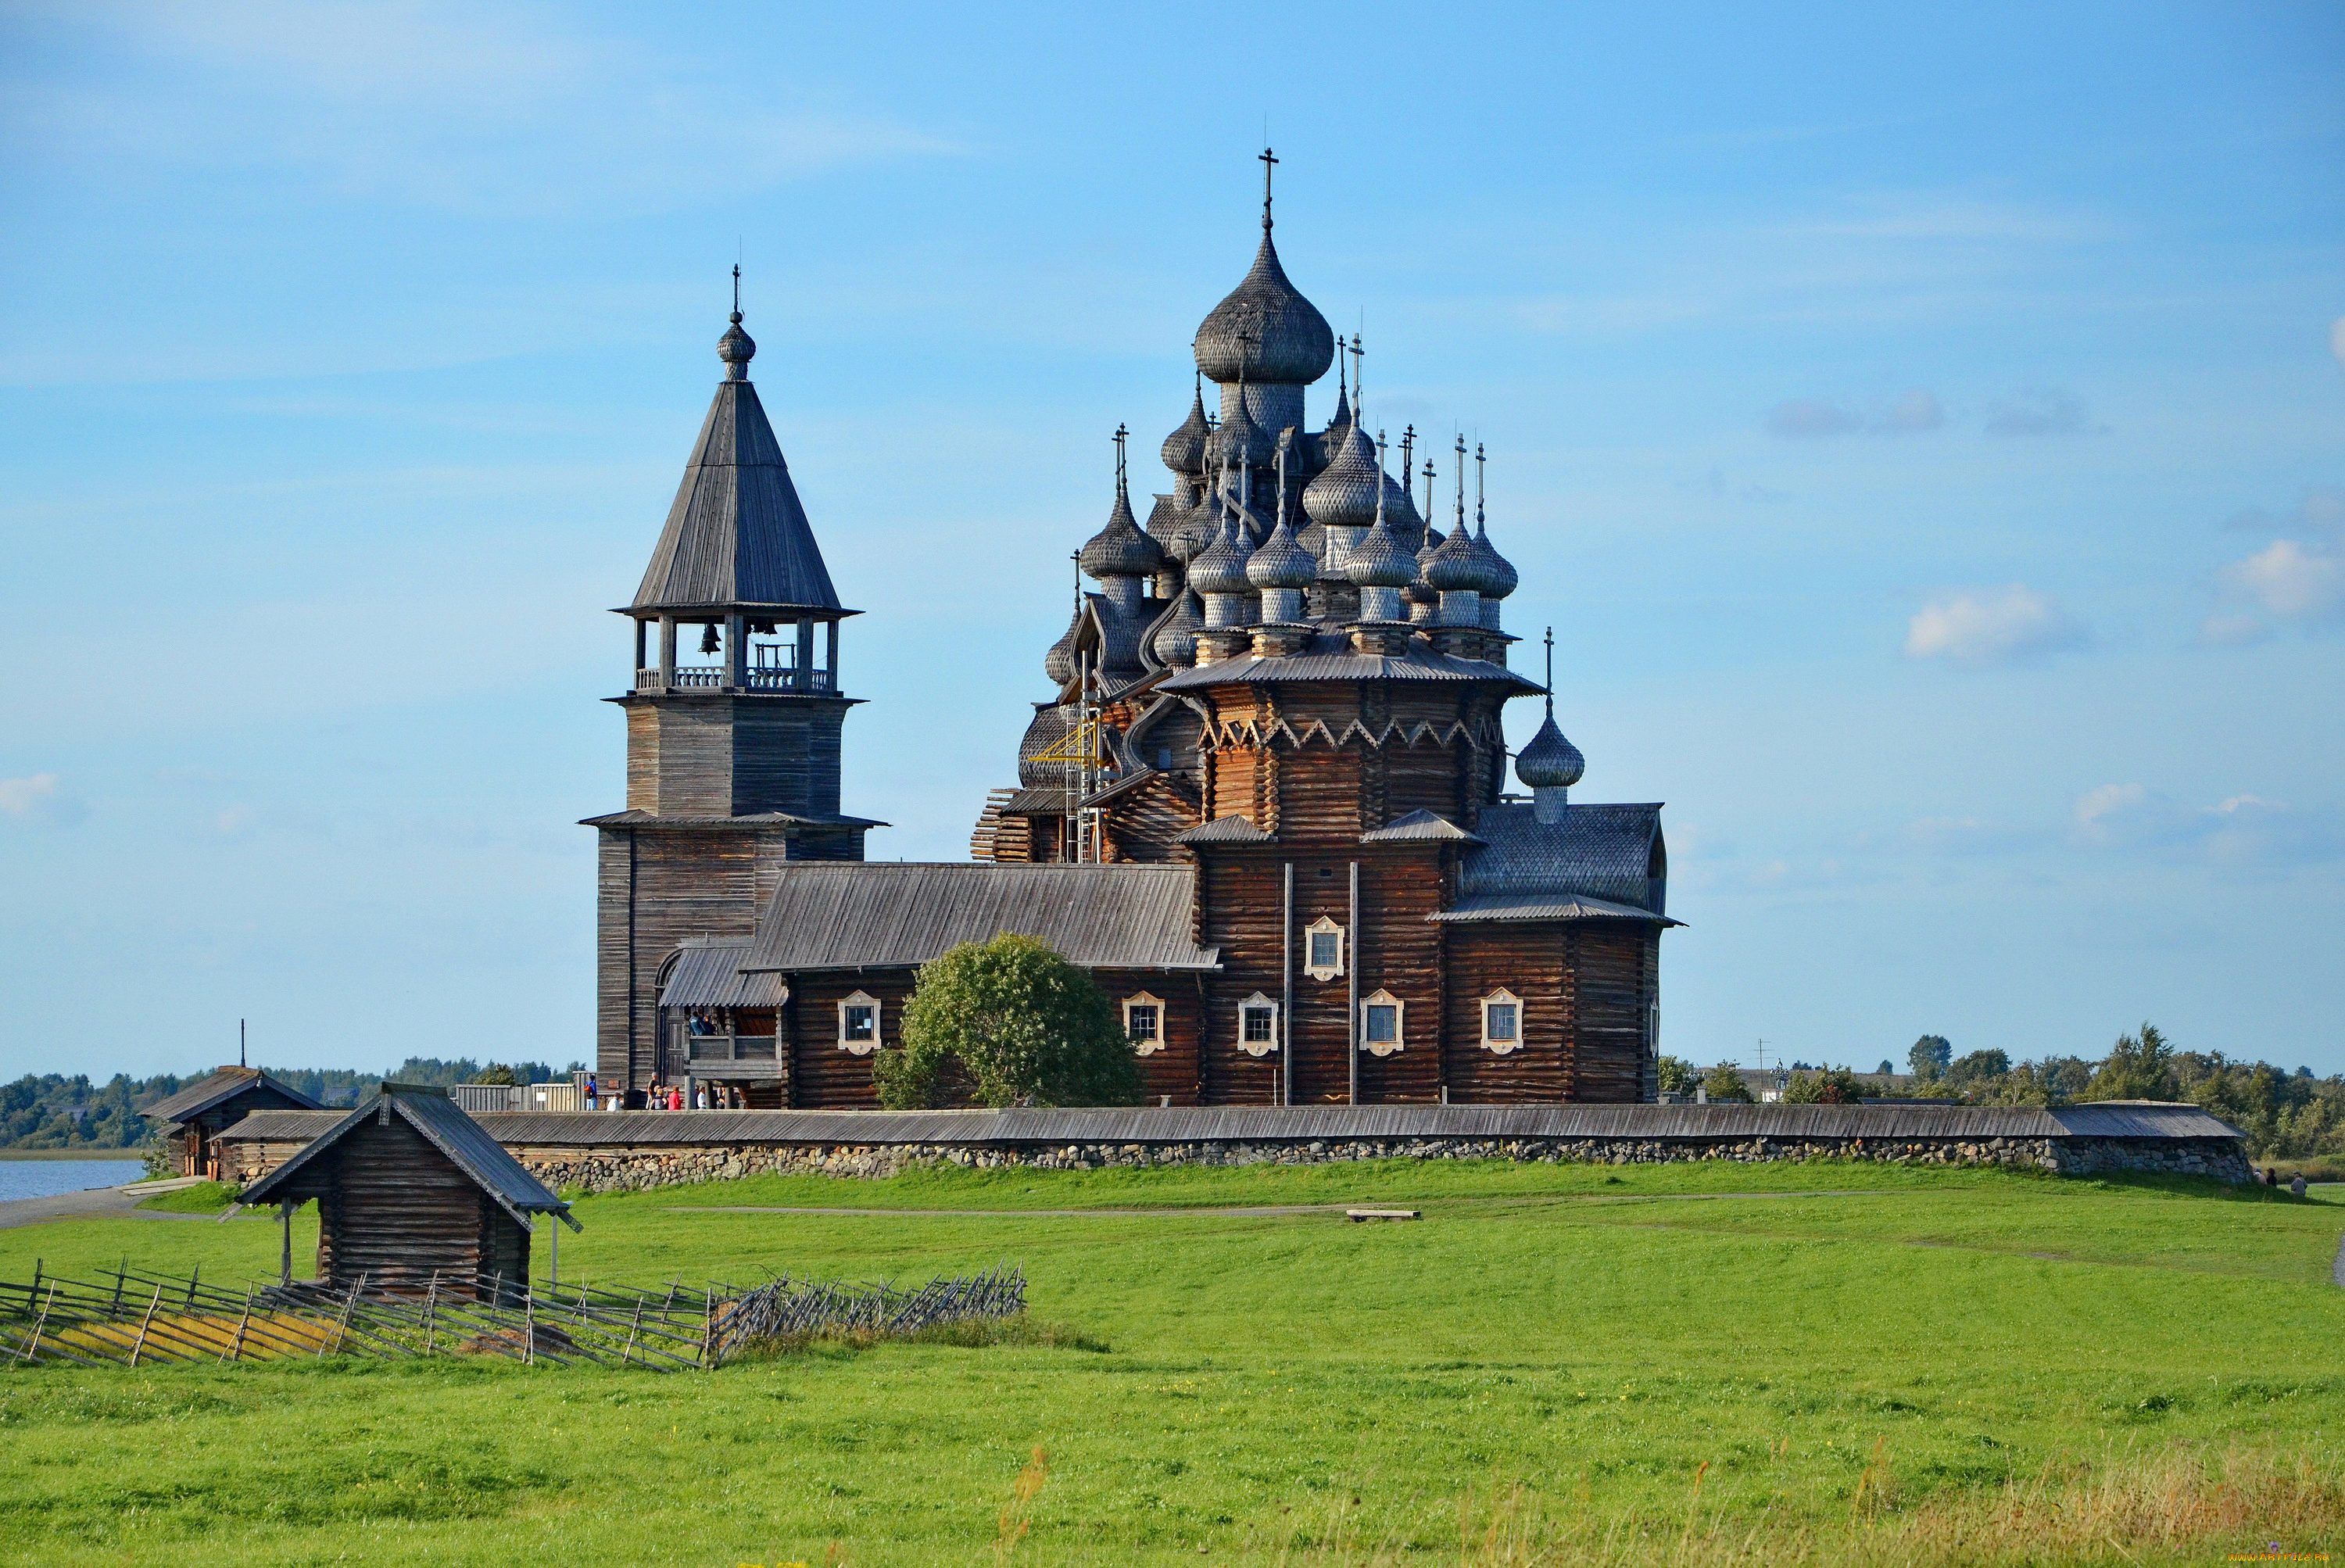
<point>738,533</point>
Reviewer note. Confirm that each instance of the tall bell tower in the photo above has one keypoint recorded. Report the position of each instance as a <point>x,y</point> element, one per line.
<point>733,719</point>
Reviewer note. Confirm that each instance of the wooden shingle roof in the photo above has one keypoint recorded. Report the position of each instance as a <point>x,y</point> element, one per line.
<point>221,1084</point>
<point>861,914</point>
<point>736,533</point>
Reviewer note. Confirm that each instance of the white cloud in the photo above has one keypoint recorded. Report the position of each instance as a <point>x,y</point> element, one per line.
<point>2041,410</point>
<point>39,798</point>
<point>2244,831</point>
<point>2336,338</point>
<point>2101,813</point>
<point>2233,631</point>
<point>1990,626</point>
<point>2291,581</point>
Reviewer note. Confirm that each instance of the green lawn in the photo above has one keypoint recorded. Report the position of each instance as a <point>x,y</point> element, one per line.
<point>1595,1333</point>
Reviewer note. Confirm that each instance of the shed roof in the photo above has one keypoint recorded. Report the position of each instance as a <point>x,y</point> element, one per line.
<point>736,533</point>
<point>1600,851</point>
<point>445,1126</point>
<point>1231,830</point>
<point>1491,907</point>
<point>220,1084</point>
<point>707,973</point>
<point>1192,1124</point>
<point>855,915</point>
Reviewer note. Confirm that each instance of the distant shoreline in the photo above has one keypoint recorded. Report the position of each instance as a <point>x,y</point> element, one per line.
<point>73,1154</point>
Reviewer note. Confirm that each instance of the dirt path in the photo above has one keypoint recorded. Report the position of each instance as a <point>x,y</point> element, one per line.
<point>95,1203</point>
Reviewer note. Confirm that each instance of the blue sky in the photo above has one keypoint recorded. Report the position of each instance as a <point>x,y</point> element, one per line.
<point>1925,428</point>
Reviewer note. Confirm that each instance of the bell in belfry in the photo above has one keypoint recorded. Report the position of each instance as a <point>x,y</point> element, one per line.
<point>708,643</point>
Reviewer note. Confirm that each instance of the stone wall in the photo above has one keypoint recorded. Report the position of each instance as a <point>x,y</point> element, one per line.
<point>634,1168</point>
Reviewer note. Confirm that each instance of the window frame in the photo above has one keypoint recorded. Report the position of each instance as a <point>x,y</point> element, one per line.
<point>1152,1044</point>
<point>1382,1048</point>
<point>1259,1048</point>
<point>847,1043</point>
<point>1326,926</point>
<point>1502,997</point>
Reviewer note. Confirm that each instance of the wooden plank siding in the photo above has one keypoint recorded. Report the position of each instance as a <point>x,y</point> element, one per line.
<point>396,1209</point>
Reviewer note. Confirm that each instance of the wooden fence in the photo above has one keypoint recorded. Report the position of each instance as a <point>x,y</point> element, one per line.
<point>137,1318</point>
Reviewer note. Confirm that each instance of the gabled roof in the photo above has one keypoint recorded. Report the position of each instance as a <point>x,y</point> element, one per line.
<point>221,1084</point>
<point>1224,831</point>
<point>736,533</point>
<point>446,1127</point>
<point>1419,826</point>
<point>1595,851</point>
<point>861,914</point>
<point>707,973</point>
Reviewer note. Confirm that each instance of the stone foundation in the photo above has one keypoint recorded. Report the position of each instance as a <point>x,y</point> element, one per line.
<point>636,1167</point>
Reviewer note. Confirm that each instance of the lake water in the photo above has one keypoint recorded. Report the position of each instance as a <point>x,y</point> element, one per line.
<point>46,1178</point>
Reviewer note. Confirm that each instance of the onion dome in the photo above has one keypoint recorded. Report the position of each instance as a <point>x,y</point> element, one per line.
<point>1549,761</point>
<point>1378,561</point>
<point>736,349</point>
<point>1240,438</point>
<point>1345,494</point>
<point>1184,449</point>
<point>1311,539</point>
<point>1195,538</point>
<point>1221,568</point>
<point>1121,549</point>
<point>1265,331</point>
<point>1165,520</point>
<point>1400,514</point>
<point>1419,591</point>
<point>1059,663</point>
<point>1281,563</point>
<point>1176,640</point>
<point>1500,577</point>
<point>1452,565</point>
<point>1339,427</point>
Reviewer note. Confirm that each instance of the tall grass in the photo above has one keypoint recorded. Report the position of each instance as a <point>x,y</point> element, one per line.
<point>2179,1503</point>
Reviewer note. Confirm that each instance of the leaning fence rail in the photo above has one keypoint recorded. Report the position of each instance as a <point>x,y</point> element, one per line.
<point>138,1318</point>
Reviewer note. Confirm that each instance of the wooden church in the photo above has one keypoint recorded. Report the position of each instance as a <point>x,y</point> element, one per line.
<point>1262,801</point>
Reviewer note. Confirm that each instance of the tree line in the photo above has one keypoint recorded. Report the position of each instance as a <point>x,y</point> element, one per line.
<point>2286,1114</point>
<point>55,1111</point>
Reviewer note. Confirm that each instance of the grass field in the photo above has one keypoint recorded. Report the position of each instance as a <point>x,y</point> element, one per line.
<point>1858,1363</point>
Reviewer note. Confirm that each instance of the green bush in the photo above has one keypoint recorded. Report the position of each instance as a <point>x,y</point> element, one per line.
<point>1024,1026</point>
<point>1677,1075</point>
<point>1724,1083</point>
<point>1825,1086</point>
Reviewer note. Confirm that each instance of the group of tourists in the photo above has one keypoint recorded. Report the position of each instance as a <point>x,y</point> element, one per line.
<point>669,1097</point>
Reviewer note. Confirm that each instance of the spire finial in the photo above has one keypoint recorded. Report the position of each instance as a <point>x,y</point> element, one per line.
<point>1478,460</point>
<point>1356,353</point>
<point>1121,432</point>
<point>1429,490</point>
<point>737,292</point>
<point>1550,672</point>
<point>1285,440</point>
<point>1381,479</point>
<point>1269,161</point>
<point>1461,479</point>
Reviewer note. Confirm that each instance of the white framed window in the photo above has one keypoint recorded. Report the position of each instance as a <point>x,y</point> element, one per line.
<point>1502,1022</point>
<point>1323,949</point>
<point>858,1023</point>
<point>1144,1023</point>
<point>1381,1020</point>
<point>1257,1025</point>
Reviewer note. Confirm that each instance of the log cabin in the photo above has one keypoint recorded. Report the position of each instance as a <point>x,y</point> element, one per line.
<point>411,1190</point>
<point>1263,802</point>
<point>193,1119</point>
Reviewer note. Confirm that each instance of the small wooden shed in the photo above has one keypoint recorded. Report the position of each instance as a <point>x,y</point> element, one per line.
<point>194,1118</point>
<point>411,1189</point>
